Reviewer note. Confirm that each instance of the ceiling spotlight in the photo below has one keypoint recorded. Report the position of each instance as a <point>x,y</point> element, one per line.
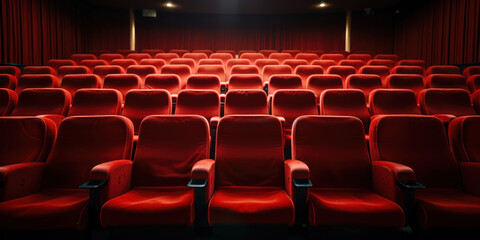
<point>169,5</point>
<point>322,5</point>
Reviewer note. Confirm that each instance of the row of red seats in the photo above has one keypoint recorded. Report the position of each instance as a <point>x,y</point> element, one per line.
<point>249,182</point>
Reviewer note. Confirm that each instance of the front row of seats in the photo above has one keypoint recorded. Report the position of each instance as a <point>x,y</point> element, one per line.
<point>249,182</point>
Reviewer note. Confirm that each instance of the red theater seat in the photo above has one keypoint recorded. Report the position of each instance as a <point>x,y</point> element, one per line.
<point>179,52</point>
<point>281,57</point>
<point>157,63</point>
<point>206,51</point>
<point>52,197</point>
<point>392,57</point>
<point>305,71</point>
<point>167,57</point>
<point>182,71</point>
<point>342,71</point>
<point>224,57</point>
<point>57,63</point>
<point>204,82</point>
<point>469,71</point>
<point>363,57</point>
<point>124,63</point>
<point>195,56</point>
<point>103,70</point>
<point>91,63</point>
<point>318,52</point>
<point>325,64</point>
<point>441,102</point>
<point>157,193</point>
<point>122,82</point>
<point>43,101</point>
<point>408,70</point>
<point>382,62</point>
<point>393,101</point>
<point>343,190</point>
<point>109,57</point>
<point>73,82</point>
<point>125,52</point>
<point>266,52</point>
<point>364,82</point>
<point>357,64</point>
<point>260,63</point>
<point>138,56</point>
<point>66,70</point>
<point>234,62</point>
<point>217,70</point>
<point>36,81</point>
<point>141,103</point>
<point>8,81</point>
<point>90,101</point>
<point>408,62</point>
<point>294,63</point>
<point>246,102</point>
<point>252,57</point>
<point>245,81</point>
<point>446,81</point>
<point>39,70</point>
<point>447,201</point>
<point>245,51</point>
<point>80,57</point>
<point>244,69</point>
<point>249,173</point>
<point>443,69</point>
<point>464,133</point>
<point>99,52</point>
<point>320,82</point>
<point>200,102</point>
<point>271,70</point>
<point>185,61</point>
<point>474,82</point>
<point>292,52</point>
<point>142,70</point>
<point>476,100</point>
<point>406,81</point>
<point>342,52</point>
<point>381,71</point>
<point>230,52</point>
<point>336,57</point>
<point>152,52</point>
<point>284,81</point>
<point>210,62</point>
<point>170,82</point>
<point>8,100</point>
<point>309,57</point>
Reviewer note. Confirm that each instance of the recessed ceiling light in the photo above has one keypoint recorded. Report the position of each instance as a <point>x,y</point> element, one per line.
<point>169,5</point>
<point>322,5</point>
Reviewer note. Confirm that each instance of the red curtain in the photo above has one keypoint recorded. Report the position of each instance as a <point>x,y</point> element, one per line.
<point>439,31</point>
<point>373,32</point>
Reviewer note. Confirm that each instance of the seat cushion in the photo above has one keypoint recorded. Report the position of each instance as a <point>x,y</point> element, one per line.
<point>359,207</point>
<point>150,206</point>
<point>447,208</point>
<point>48,209</point>
<point>250,205</point>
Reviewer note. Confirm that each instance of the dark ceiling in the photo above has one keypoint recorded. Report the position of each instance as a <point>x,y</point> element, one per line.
<point>250,6</point>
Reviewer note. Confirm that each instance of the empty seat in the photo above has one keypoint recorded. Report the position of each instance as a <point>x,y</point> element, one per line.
<point>125,52</point>
<point>293,63</point>
<point>206,51</point>
<point>204,81</point>
<point>325,64</point>
<point>358,56</point>
<point>98,52</point>
<point>185,61</point>
<point>36,81</point>
<point>271,70</point>
<point>409,62</point>
<point>342,52</point>
<point>336,57</point>
<point>309,57</point>
<point>170,82</point>
<point>66,70</point>
<point>260,63</point>
<point>73,82</point>
<point>320,82</point>
<point>195,56</point>
<point>266,52</point>
<point>292,52</point>
<point>245,51</point>
<point>8,100</point>
<point>284,81</point>
<point>124,63</point>
<point>142,70</point>
<point>200,102</point>
<point>447,202</point>
<point>464,134</point>
<point>8,81</point>
<point>141,103</point>
<point>454,102</point>
<point>357,64</point>
<point>42,101</point>
<point>217,70</point>
<point>246,102</point>
<point>122,82</point>
<point>249,174</point>
<point>342,71</point>
<point>210,62</point>
<point>152,52</point>
<point>393,101</point>
<point>156,192</point>
<point>157,63</point>
<point>109,57</point>
<point>474,82</point>
<point>472,70</point>
<point>446,81</point>
<point>245,81</point>
<point>252,57</point>
<point>12,70</point>
<point>91,63</point>
<point>343,191</point>
<point>281,57</point>
<point>104,70</point>
<point>179,52</point>
<point>364,82</point>
<point>224,57</point>
<point>443,69</point>
<point>392,57</point>
<point>305,71</point>
<point>408,70</point>
<point>80,57</point>
<point>138,56</point>
<point>90,101</point>
<point>57,63</point>
<point>318,52</point>
<point>244,69</point>
<point>230,52</point>
<point>382,62</point>
<point>345,102</point>
<point>39,70</point>
<point>167,57</point>
<point>476,100</point>
<point>405,81</point>
<point>381,71</point>
<point>182,71</point>
<point>371,53</point>
<point>52,199</point>
<point>234,62</point>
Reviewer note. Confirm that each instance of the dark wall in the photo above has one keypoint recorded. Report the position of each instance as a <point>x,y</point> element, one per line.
<point>373,32</point>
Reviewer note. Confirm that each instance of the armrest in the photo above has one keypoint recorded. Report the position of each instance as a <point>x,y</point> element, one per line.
<point>445,118</point>
<point>385,178</point>
<point>297,182</point>
<point>57,119</point>
<point>214,122</point>
<point>223,87</point>
<point>222,97</point>
<point>203,179</point>
<point>19,180</point>
<point>116,176</point>
<point>174,98</point>
<point>471,177</point>
<point>282,121</point>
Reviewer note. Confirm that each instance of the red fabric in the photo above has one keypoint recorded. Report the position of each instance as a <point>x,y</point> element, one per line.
<point>252,57</point>
<point>65,70</point>
<point>411,62</point>
<point>205,169</point>
<point>319,82</point>
<point>342,71</point>
<point>392,57</point>
<point>222,56</point>
<point>445,101</point>
<point>8,81</point>
<point>140,103</point>
<point>12,70</point>
<point>142,71</point>
<point>91,63</point>
<point>246,102</point>
<point>39,70</point>
<point>124,63</point>
<point>200,102</point>
<point>472,70</point>
<point>167,57</point>
<point>291,104</point>
<point>21,179</point>
<point>408,70</point>
<point>109,57</point>
<point>217,70</point>
<point>152,52</point>
<point>37,101</point>
<point>365,82</point>
<point>405,81</point>
<point>195,56</point>
<point>103,70</point>
<point>359,207</point>
<point>474,82</point>
<point>8,100</point>
<point>364,57</point>
<point>73,82</point>
<point>183,71</point>
<point>332,56</point>
<point>294,169</point>
<point>210,62</point>
<point>309,57</point>
<point>79,57</point>
<point>245,81</point>
<point>92,101</point>
<point>125,52</point>
<point>446,81</point>
<point>57,63</point>
<point>267,52</point>
<point>36,81</point>
<point>284,81</point>
<point>393,101</point>
<point>381,71</point>
<point>244,69</point>
<point>476,100</point>
<point>385,176</point>
<point>138,56</point>
<point>123,82</point>
<point>443,69</point>
<point>157,63</point>
<point>206,51</point>
<point>117,173</point>
<point>232,62</point>
<point>281,57</point>
<point>470,177</point>
<point>292,52</point>
<point>185,61</point>
<point>463,134</point>
<point>305,71</point>
<point>204,82</point>
<point>250,205</point>
<point>271,70</point>
<point>179,52</point>
<point>357,64</point>
<point>382,62</point>
<point>169,82</point>
<point>294,63</point>
<point>325,64</point>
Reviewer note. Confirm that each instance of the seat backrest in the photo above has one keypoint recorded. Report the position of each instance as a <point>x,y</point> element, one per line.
<point>359,56</point>
<point>184,61</point>
<point>36,81</point>
<point>8,81</point>
<point>476,100</point>
<point>169,82</point>
<point>445,101</point>
<point>217,70</point>
<point>104,70</point>
<point>443,69</point>
<point>318,52</point>
<point>12,70</point>
<point>204,82</point>
<point>252,57</point>
<point>245,81</point>
<point>309,57</point>
<point>122,82</point>
<point>320,82</point>
<point>281,57</point>
<point>364,82</point>
<point>157,63</point>
<point>405,81</point>
<point>249,151</point>
<point>472,81</point>
<point>179,52</point>
<point>233,62</point>
<point>91,101</point>
<point>392,57</point>
<point>464,137</point>
<point>180,140</point>
<point>270,70</point>
<point>84,142</point>
<point>25,139</point>
<point>73,82</point>
<point>140,103</point>
<point>419,142</point>
<point>125,52</point>
<point>38,101</point>
<point>182,71</point>
<point>293,63</point>
<point>267,52</point>
<point>200,102</point>
<point>345,102</point>
<point>446,81</point>
<point>411,62</point>
<point>124,63</point>
<point>79,57</point>
<point>142,70</point>
<point>245,51</point>
<point>246,102</point>
<point>325,64</point>
<point>224,57</point>
<point>260,63</point>
<point>305,71</point>
<point>408,70</point>
<point>57,63</point>
<point>393,101</point>
<point>138,56</point>
<point>291,104</point>
<point>8,100</point>
<point>381,71</point>
<point>292,52</point>
<point>39,70</point>
<point>65,70</point>
<point>357,64</point>
<point>472,70</point>
<point>230,52</point>
<point>336,57</point>
<point>109,57</point>
<point>152,52</point>
<point>342,71</point>
<point>382,62</point>
<point>195,56</point>
<point>91,63</point>
<point>320,142</point>
<point>167,57</point>
<point>284,81</point>
<point>210,62</point>
<point>244,69</point>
